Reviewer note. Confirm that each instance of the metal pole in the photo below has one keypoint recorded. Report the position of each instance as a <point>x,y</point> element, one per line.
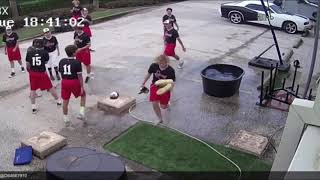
<point>314,54</point>
<point>272,31</point>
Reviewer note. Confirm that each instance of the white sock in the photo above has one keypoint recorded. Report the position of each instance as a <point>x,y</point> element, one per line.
<point>33,106</point>
<point>65,118</point>
<point>82,109</point>
<point>12,70</point>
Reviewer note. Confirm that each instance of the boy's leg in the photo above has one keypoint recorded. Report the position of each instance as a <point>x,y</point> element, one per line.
<point>33,101</point>
<point>12,69</point>
<point>21,66</point>
<point>50,73</point>
<point>65,112</point>
<point>157,110</point>
<point>56,69</point>
<point>55,95</point>
<point>82,107</point>
<point>89,73</point>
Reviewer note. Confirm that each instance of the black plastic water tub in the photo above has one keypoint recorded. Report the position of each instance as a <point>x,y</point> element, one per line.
<point>221,80</point>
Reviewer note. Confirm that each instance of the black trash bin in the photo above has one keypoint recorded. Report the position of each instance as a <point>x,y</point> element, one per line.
<point>221,80</point>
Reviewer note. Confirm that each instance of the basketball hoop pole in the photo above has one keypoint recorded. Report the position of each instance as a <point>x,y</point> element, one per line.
<point>272,31</point>
<point>314,54</point>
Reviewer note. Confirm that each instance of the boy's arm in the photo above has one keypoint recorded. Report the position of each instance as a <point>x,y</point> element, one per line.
<point>181,43</point>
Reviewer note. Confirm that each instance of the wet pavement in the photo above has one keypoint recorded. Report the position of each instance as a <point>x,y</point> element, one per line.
<point>124,50</point>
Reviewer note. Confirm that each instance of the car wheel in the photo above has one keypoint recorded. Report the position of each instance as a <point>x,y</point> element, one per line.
<point>236,18</point>
<point>290,27</point>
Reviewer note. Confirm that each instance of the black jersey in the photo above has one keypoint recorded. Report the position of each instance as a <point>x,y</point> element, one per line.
<point>51,44</point>
<point>167,73</point>
<point>81,40</point>
<point>10,40</point>
<point>37,59</point>
<point>70,68</point>
<point>171,36</point>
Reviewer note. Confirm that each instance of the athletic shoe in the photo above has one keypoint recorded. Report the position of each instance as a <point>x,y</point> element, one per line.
<point>59,103</point>
<point>180,65</point>
<point>12,74</point>
<point>22,69</point>
<point>34,111</point>
<point>87,79</point>
<point>81,117</point>
<point>67,123</point>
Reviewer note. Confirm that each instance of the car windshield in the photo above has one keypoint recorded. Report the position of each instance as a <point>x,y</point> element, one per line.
<point>277,9</point>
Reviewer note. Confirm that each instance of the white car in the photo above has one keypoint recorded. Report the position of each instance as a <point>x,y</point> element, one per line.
<point>253,11</point>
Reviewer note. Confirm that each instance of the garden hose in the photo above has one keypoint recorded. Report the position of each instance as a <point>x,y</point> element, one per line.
<point>190,136</point>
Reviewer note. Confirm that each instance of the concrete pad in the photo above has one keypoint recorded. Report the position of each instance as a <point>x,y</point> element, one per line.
<point>116,106</point>
<point>250,143</point>
<point>45,143</point>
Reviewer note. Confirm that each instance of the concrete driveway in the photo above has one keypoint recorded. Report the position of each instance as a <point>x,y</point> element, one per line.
<point>125,48</point>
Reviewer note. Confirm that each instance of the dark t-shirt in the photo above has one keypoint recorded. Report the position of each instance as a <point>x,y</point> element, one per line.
<point>76,11</point>
<point>37,58</point>
<point>11,40</point>
<point>50,45</point>
<point>70,68</point>
<point>86,21</point>
<point>168,73</point>
<point>82,40</point>
<point>171,18</point>
<point>171,36</point>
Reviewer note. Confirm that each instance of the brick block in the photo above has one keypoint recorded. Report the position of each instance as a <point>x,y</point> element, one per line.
<point>250,143</point>
<point>116,106</point>
<point>45,143</point>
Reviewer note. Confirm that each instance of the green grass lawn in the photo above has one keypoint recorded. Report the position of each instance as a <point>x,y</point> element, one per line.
<point>105,13</point>
<point>167,151</point>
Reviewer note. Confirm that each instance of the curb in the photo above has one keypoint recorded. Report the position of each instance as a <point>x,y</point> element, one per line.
<point>95,21</point>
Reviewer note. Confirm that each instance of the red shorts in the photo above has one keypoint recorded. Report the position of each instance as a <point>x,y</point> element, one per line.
<point>170,50</point>
<point>39,80</point>
<point>13,55</point>
<point>70,86</point>
<point>163,99</point>
<point>84,56</point>
<point>87,30</point>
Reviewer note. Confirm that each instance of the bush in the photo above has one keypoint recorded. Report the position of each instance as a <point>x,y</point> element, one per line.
<point>129,3</point>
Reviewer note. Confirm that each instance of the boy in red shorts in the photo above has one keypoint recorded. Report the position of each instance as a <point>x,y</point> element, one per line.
<point>160,70</point>
<point>36,59</point>
<point>170,37</point>
<point>12,49</point>
<point>82,41</point>
<point>72,82</point>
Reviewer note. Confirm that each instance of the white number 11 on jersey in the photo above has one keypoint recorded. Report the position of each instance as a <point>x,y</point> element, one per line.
<point>67,69</point>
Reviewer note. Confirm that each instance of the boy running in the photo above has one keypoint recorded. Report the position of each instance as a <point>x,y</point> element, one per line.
<point>12,49</point>
<point>72,82</point>
<point>170,37</point>
<point>52,47</point>
<point>160,70</point>
<point>172,19</point>
<point>36,59</point>
<point>82,41</point>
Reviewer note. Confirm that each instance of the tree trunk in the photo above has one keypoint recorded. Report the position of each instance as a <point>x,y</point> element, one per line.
<point>95,3</point>
<point>14,8</point>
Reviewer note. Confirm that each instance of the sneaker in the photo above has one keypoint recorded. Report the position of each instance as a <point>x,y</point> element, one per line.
<point>180,65</point>
<point>34,111</point>
<point>12,74</point>
<point>87,79</point>
<point>59,103</point>
<point>81,117</point>
<point>22,69</point>
<point>67,123</point>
